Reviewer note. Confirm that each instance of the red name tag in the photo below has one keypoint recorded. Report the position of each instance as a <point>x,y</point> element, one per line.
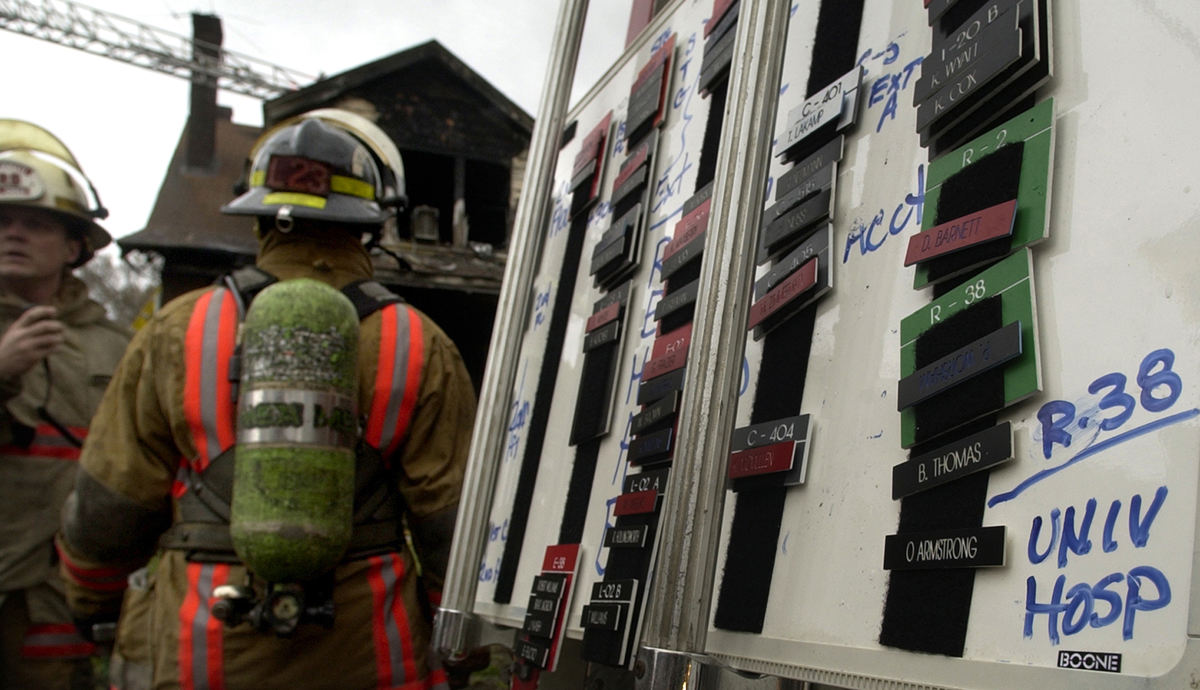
<point>785,292</point>
<point>688,229</point>
<point>590,148</point>
<point>676,340</point>
<point>991,223</point>
<point>603,316</point>
<point>636,503</point>
<point>662,365</point>
<point>777,457</point>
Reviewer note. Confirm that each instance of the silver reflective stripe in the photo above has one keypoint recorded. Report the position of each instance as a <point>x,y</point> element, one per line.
<point>288,415</point>
<point>399,375</point>
<point>390,575</point>
<point>204,588</point>
<point>208,374</point>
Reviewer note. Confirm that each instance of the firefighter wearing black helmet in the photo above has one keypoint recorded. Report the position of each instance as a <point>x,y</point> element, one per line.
<point>161,472</point>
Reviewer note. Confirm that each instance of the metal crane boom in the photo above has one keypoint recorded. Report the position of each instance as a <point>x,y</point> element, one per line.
<point>108,35</point>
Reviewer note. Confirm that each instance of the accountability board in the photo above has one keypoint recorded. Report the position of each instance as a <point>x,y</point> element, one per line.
<point>971,372</point>
<point>1078,487</point>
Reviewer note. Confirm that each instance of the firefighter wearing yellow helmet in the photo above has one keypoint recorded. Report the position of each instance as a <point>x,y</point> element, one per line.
<point>57,351</point>
<point>273,436</point>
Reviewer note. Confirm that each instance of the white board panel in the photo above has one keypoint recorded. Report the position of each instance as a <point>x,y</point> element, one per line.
<point>1116,297</point>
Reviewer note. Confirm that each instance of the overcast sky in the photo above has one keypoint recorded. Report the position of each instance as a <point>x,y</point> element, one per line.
<point>122,122</point>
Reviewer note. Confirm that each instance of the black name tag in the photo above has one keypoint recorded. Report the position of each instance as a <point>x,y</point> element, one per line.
<point>551,585</point>
<point>966,548</point>
<point>645,102</point>
<point>716,62</point>
<point>604,616</point>
<point>702,195</point>
<point>677,300</point>
<point>655,480</point>
<point>604,335</point>
<point>975,39</point>
<point>805,188</point>
<point>767,433</point>
<point>968,82</point>
<point>661,386</point>
<point>976,452</point>
<point>614,590</point>
<point>1109,662</point>
<point>543,604</point>
<point>633,183</point>
<point>656,413</point>
<point>823,108</point>
<point>801,171</point>
<point>650,447</point>
<point>535,651</point>
<point>792,224</point>
<point>584,174</point>
<point>626,537</point>
<point>816,244</point>
<point>690,251</point>
<point>538,624</point>
<point>937,8</point>
<point>608,256</point>
<point>963,364</point>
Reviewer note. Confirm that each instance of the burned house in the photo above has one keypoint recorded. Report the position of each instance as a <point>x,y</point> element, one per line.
<point>463,144</point>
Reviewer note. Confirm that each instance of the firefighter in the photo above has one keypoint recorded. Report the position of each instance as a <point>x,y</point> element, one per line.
<point>158,472</point>
<point>57,352</point>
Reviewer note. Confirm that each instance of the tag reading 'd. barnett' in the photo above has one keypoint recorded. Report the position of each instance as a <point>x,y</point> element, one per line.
<point>991,223</point>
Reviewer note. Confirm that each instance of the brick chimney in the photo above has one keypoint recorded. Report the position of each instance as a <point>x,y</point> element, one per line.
<point>202,115</point>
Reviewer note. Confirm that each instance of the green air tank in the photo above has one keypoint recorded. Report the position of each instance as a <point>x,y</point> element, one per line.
<point>293,481</point>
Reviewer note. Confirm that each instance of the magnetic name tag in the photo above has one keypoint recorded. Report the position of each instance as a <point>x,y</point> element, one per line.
<point>967,46</point>
<point>538,624</point>
<point>626,537</point>
<point>682,256</point>
<point>634,182</point>
<point>677,300</point>
<point>968,82</point>
<point>965,548</point>
<point>794,224</point>
<point>801,171</point>
<point>651,447</point>
<point>655,413</point>
<point>591,148</point>
<point>544,604</point>
<point>671,341</point>
<point>821,179</point>
<point>665,384</point>
<point>646,480</point>
<point>604,616</point>
<point>637,503</point>
<point>767,433</point>
<point>535,651</point>
<point>688,228</point>
<point>549,584</point>
<point>791,288</point>
<point>963,364</point>
<point>823,108</point>
<point>777,457</point>
<point>603,316</point>
<point>979,451</point>
<point>614,590</point>
<point>721,18</point>
<point>693,202</point>
<point>814,245</point>
<point>665,364</point>
<point>937,8</point>
<point>645,102</point>
<point>583,174</point>
<point>991,223</point>
<point>716,63</point>
<point>602,336</point>
<point>608,256</point>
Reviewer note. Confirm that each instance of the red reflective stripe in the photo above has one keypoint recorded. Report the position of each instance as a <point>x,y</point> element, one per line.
<point>386,363</point>
<point>196,609</point>
<point>193,358</point>
<point>383,667</point>
<point>40,451</point>
<point>412,378</point>
<point>225,408</point>
<point>45,640</point>
<point>215,635</point>
<point>401,617</point>
<point>99,579</point>
<point>187,615</point>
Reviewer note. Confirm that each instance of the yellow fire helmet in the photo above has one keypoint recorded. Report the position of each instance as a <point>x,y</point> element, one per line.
<point>38,171</point>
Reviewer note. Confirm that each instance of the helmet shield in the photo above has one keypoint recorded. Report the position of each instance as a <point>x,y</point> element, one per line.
<point>312,170</point>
